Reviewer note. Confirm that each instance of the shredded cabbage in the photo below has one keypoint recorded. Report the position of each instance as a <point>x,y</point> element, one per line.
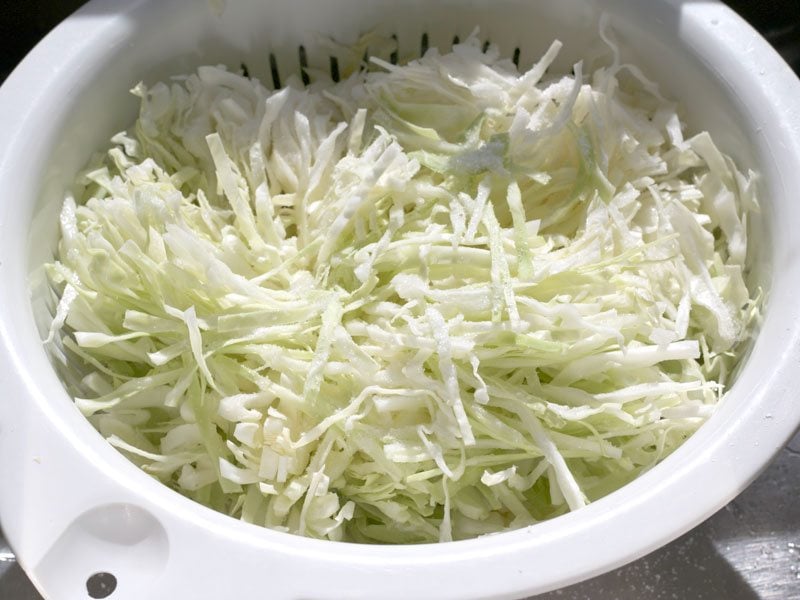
<point>428,302</point>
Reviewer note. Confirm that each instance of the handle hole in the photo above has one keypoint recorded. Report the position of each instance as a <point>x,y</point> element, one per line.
<point>101,585</point>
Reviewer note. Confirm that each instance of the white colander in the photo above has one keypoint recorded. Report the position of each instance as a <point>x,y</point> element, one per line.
<point>72,507</point>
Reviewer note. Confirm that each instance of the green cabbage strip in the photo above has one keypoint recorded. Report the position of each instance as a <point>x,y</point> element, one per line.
<point>429,302</point>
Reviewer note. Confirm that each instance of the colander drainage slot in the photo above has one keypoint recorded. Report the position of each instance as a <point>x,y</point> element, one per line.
<point>333,61</point>
<point>394,55</point>
<point>335,68</point>
<point>301,53</point>
<point>101,585</point>
<point>273,67</point>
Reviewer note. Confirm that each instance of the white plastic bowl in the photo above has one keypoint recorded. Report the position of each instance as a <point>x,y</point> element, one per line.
<point>72,506</point>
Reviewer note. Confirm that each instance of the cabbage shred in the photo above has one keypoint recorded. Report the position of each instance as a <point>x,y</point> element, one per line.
<point>428,302</point>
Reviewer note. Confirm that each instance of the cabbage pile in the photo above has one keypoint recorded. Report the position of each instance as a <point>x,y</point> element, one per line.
<point>428,302</point>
